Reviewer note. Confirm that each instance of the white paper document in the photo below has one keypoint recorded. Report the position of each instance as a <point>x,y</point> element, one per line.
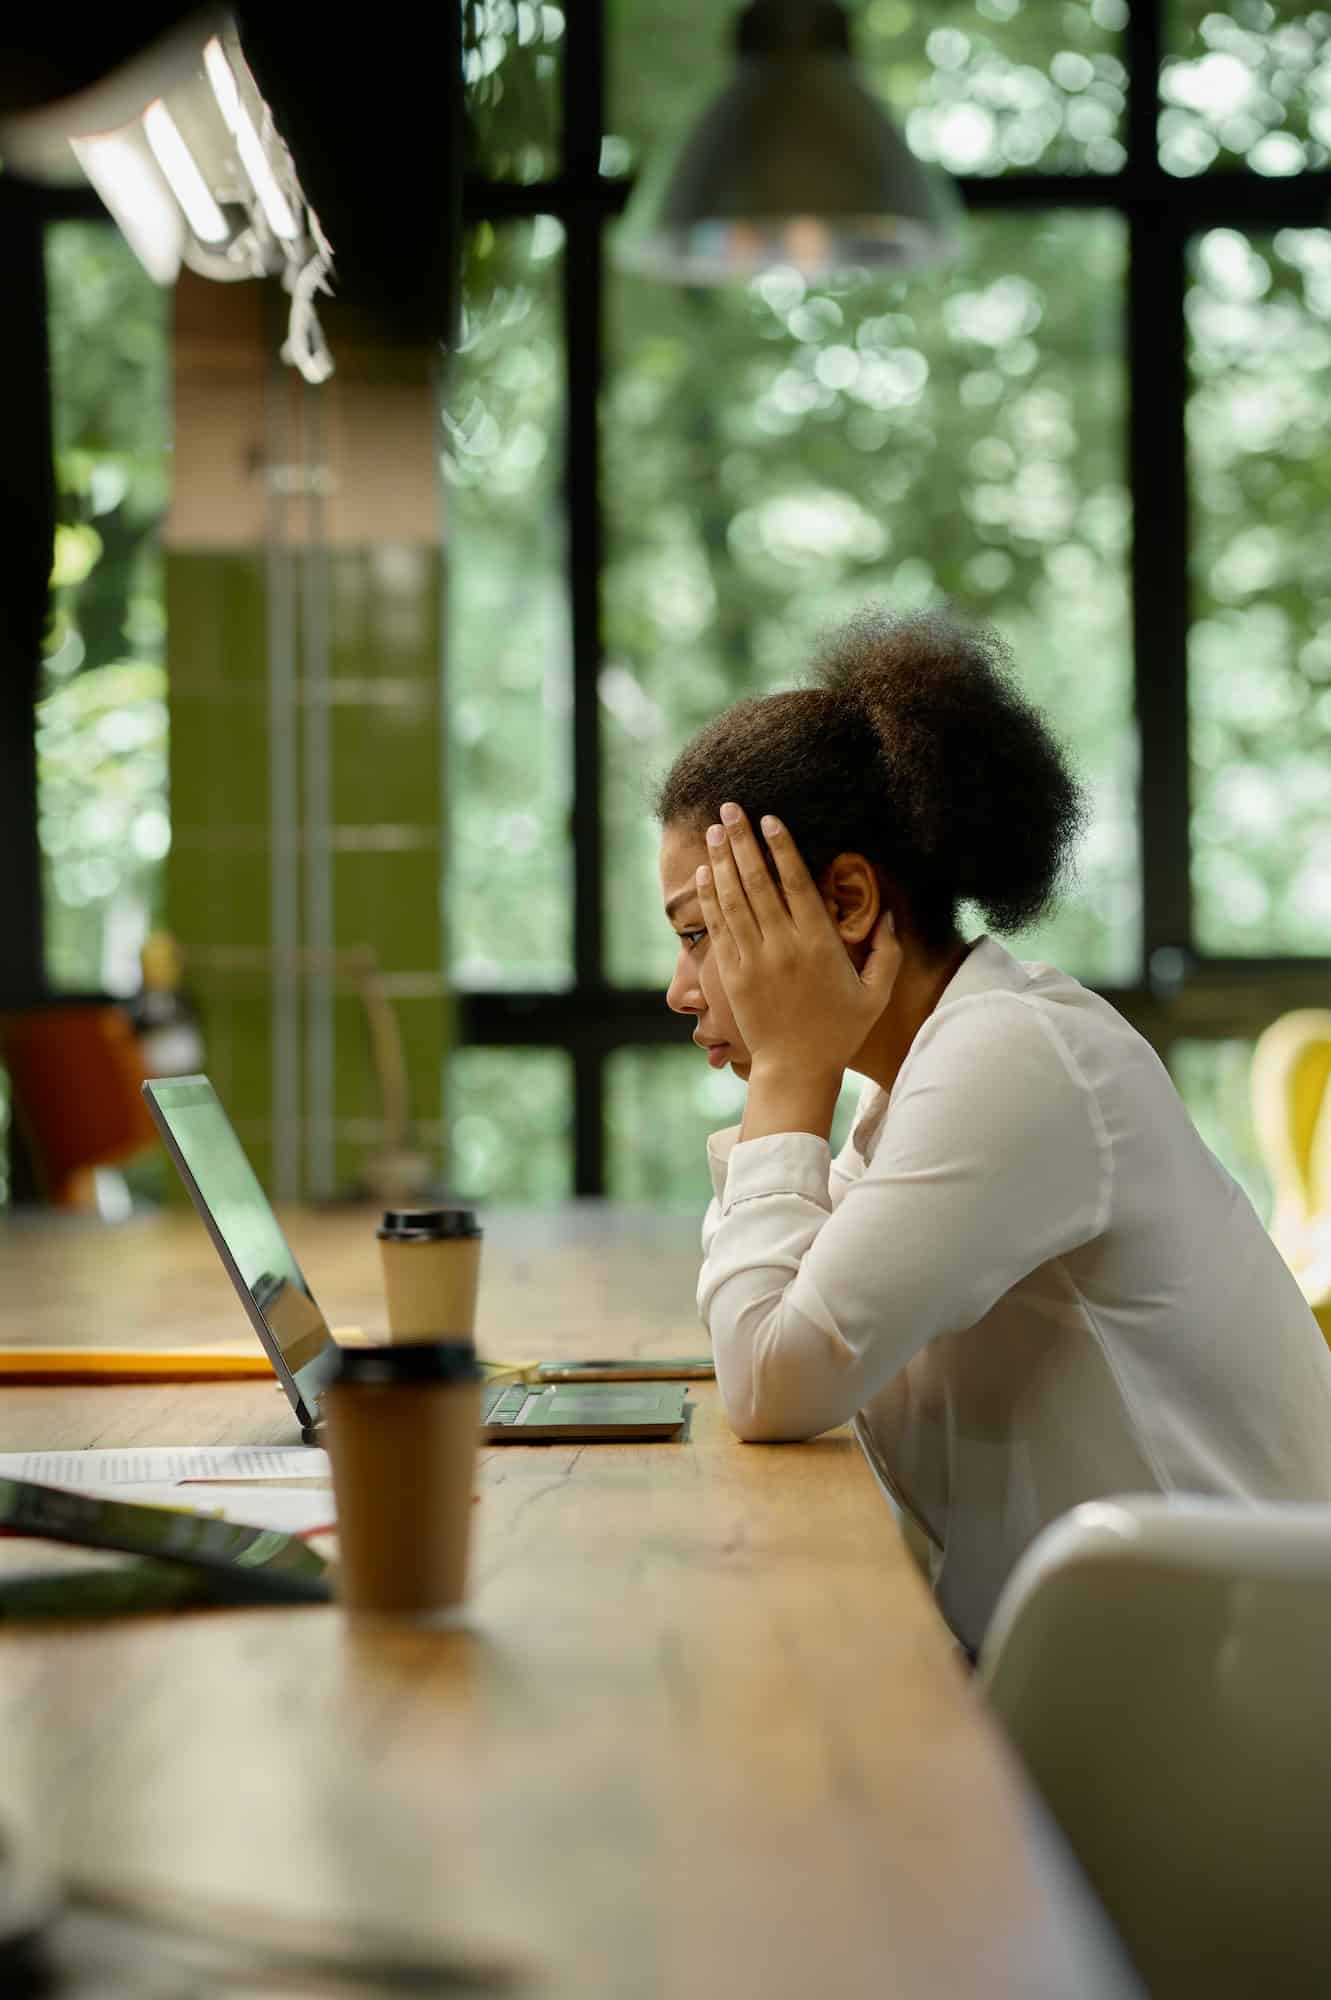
<point>293,1510</point>
<point>165,1465</point>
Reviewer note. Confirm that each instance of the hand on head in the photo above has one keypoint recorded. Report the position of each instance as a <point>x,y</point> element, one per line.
<point>783,954</point>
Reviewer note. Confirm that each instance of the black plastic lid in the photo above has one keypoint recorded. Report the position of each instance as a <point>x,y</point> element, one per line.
<point>412,1364</point>
<point>426,1225</point>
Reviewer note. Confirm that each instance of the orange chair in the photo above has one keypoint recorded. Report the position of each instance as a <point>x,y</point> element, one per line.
<point>74,1077</point>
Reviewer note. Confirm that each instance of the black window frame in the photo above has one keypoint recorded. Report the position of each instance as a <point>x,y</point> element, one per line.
<point>1182,993</point>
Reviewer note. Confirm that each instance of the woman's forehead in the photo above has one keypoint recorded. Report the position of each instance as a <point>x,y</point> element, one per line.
<point>682,851</point>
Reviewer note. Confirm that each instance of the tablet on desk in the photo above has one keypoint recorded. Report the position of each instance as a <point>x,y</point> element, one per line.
<point>528,1413</point>
<point>282,1309</point>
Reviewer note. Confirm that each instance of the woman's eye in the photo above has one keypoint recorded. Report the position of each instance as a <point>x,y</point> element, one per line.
<point>692,938</point>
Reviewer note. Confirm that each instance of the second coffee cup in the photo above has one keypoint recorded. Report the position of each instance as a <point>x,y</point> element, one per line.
<point>432,1264</point>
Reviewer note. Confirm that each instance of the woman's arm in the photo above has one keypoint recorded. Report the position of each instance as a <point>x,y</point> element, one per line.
<point>992,1160</point>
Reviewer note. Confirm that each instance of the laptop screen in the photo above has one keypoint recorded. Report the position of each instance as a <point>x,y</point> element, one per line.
<point>240,1220</point>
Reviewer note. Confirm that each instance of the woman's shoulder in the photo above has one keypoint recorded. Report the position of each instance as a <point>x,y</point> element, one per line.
<point>992,988</point>
<point>993,994</point>
<point>1000,1009</point>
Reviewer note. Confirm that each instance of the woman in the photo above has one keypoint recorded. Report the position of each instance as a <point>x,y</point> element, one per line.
<point>1024,1276</point>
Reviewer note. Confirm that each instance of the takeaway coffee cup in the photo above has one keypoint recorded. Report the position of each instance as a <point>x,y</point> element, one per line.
<point>432,1263</point>
<point>402,1424</point>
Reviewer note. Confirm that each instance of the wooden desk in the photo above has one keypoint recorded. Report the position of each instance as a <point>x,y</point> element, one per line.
<point>705,1735</point>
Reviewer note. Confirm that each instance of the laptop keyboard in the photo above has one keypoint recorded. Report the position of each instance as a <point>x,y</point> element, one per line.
<point>509,1407</point>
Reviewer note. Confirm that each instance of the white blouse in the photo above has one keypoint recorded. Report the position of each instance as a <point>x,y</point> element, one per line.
<point>1024,1276</point>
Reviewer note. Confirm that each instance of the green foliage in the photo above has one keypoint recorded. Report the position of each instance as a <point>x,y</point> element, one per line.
<point>511,1123</point>
<point>101,720</point>
<point>110,410</point>
<point>508,671</point>
<point>661,1104</point>
<point>1259,316</point>
<point>103,826</point>
<point>1246,85</point>
<point>511,68</point>
<point>982,86</point>
<point>777,454</point>
<point>1212,1080</point>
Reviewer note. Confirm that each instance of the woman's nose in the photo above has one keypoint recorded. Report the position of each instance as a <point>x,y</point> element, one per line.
<point>682,995</point>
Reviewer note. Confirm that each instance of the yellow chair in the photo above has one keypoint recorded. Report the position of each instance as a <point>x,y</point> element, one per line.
<point>1291,1108</point>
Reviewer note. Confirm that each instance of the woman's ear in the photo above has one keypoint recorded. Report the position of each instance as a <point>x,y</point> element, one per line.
<point>853,896</point>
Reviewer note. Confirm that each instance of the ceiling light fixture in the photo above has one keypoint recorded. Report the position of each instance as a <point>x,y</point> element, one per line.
<point>134,193</point>
<point>183,150</point>
<point>795,163</point>
<point>181,168</point>
<point>253,158</point>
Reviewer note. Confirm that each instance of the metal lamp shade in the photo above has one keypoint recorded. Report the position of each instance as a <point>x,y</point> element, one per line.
<point>795,163</point>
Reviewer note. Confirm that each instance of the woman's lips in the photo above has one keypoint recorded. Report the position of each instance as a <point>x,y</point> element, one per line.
<point>718,1053</point>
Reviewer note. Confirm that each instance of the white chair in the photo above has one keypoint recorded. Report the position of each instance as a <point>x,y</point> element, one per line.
<point>1163,1668</point>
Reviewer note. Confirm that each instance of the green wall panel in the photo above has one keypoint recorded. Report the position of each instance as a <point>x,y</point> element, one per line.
<point>372,702</point>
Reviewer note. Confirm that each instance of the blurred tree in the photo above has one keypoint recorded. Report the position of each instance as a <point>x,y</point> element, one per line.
<point>778,453</point>
<point>1248,84</point>
<point>982,86</point>
<point>508,769</point>
<point>511,55</point>
<point>510,1119</point>
<point>101,721</point>
<point>1259,320</point>
<point>1212,1080</point>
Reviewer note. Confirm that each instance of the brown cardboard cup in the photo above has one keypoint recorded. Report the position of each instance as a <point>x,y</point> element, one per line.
<point>432,1265</point>
<point>402,1425</point>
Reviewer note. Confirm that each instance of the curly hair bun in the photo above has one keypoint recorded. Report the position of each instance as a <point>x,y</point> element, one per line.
<point>915,748</point>
<point>982,798</point>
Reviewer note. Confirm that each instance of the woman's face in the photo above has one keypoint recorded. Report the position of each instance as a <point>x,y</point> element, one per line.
<point>696,986</point>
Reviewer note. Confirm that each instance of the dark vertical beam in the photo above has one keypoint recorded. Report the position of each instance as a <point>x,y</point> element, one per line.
<point>1158,472</point>
<point>27,519</point>
<point>583,78</point>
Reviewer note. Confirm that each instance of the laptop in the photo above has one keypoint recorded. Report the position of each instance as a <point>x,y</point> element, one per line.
<point>281,1308</point>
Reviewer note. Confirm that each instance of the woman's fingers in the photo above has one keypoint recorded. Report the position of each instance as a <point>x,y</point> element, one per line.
<point>760,888</point>
<point>730,892</point>
<point>718,930</point>
<point>805,904</point>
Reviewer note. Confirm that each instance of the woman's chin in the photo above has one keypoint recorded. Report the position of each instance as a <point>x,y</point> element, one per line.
<point>742,1069</point>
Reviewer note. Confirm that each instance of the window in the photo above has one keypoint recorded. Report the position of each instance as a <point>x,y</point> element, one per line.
<point>101,718</point>
<point>1259,654</point>
<point>102,829</point>
<point>1104,430</point>
<point>1212,1080</point>
<point>508,779</point>
<point>774,455</point>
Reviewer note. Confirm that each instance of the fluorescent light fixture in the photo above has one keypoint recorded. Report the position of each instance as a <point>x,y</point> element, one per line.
<point>253,158</point>
<point>183,150</point>
<point>187,184</point>
<point>130,185</point>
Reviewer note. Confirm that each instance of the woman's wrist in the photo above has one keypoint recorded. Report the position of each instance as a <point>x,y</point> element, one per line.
<point>782,1098</point>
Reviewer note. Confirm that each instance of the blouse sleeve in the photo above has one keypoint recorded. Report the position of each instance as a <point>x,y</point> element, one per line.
<point>993,1158</point>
